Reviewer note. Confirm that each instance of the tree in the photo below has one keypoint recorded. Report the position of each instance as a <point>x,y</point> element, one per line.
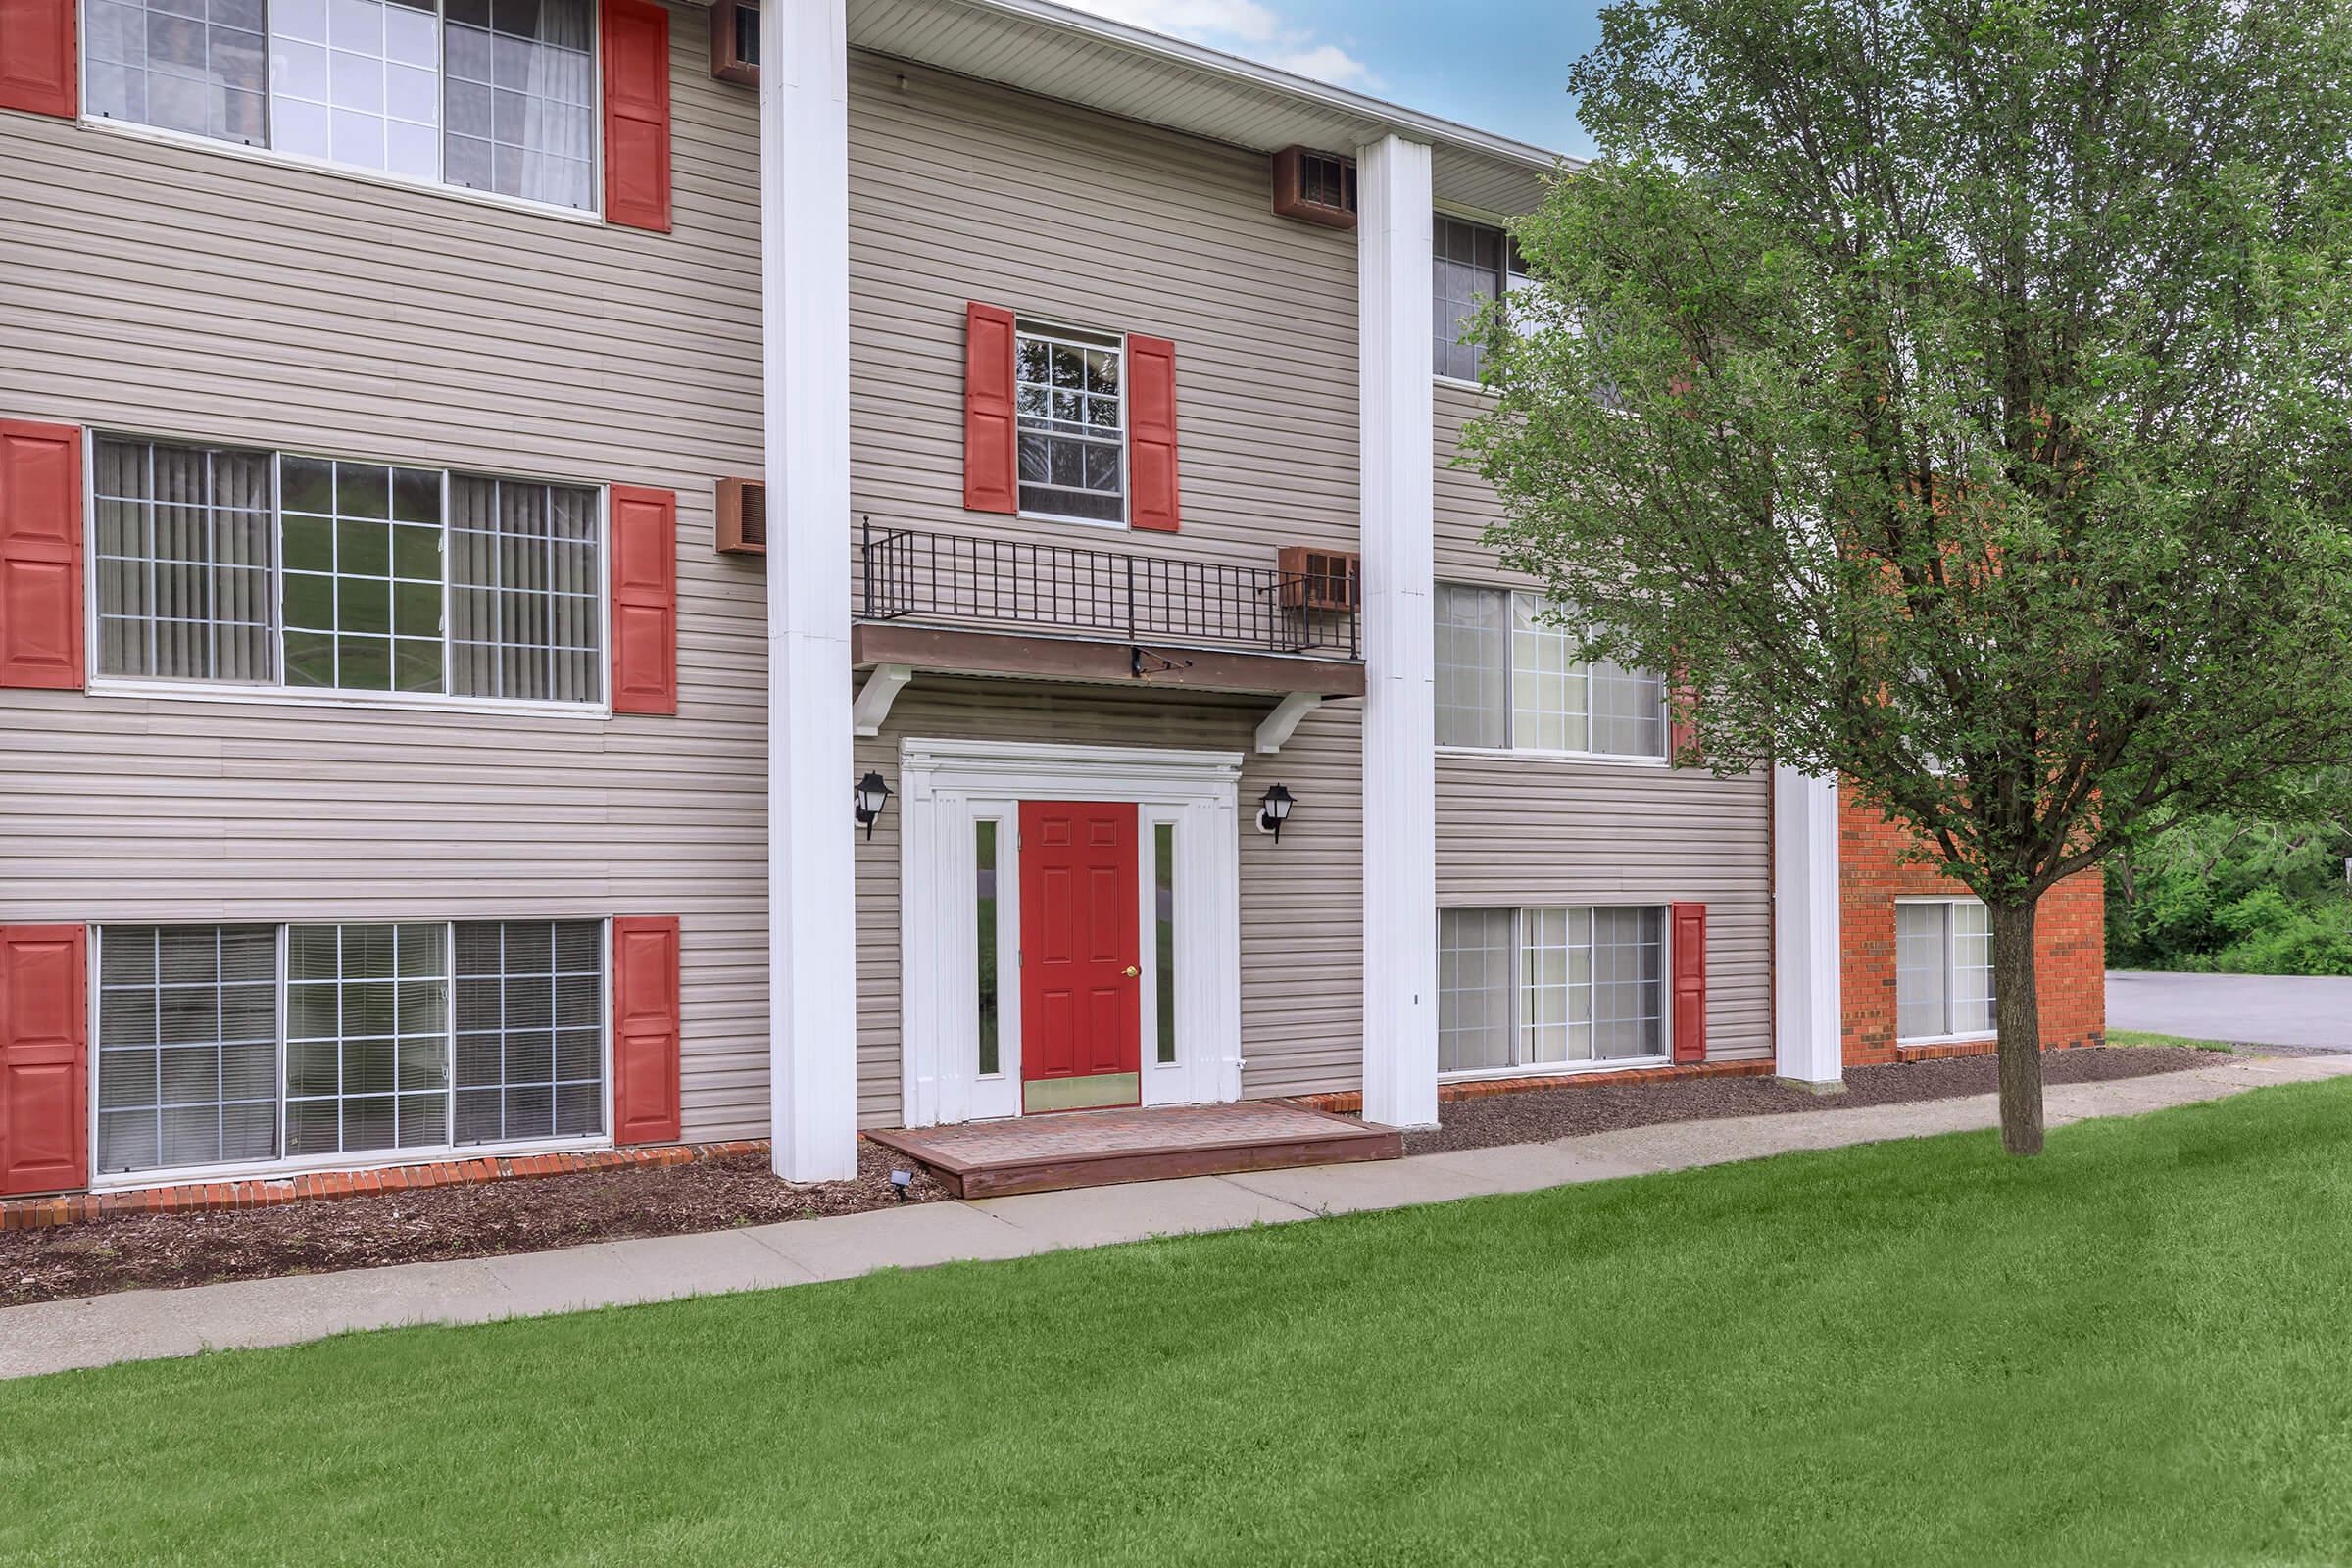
<point>1956,397</point>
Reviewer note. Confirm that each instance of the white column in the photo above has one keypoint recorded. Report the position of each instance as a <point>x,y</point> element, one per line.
<point>1400,879</point>
<point>805,302</point>
<point>1809,1023</point>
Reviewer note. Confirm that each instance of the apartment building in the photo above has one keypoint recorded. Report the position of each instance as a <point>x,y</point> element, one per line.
<point>555,593</point>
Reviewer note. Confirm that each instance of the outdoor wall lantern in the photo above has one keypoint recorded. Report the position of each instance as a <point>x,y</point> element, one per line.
<point>1274,810</point>
<point>872,796</point>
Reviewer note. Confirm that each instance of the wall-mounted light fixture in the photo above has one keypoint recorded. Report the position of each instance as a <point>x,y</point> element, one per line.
<point>872,796</point>
<point>1274,810</point>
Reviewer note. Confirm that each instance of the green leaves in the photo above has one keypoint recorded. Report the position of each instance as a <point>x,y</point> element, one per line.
<point>1962,393</point>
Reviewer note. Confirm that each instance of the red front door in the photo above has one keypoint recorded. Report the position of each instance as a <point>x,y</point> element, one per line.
<point>1081,1031</point>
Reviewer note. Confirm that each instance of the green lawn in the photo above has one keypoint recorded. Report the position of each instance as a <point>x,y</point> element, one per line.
<point>2144,1037</point>
<point>2135,1349</point>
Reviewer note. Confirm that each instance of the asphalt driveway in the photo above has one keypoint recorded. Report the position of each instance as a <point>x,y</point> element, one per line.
<point>2267,1009</point>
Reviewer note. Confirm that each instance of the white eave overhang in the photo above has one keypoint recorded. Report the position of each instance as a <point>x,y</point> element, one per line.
<point>1079,58</point>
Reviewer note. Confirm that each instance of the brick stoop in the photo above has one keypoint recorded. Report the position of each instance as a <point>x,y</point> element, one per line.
<point>1353,1100</point>
<point>267,1191</point>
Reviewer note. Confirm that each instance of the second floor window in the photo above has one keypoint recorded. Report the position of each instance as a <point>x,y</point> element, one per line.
<point>1067,388</point>
<point>224,564</point>
<point>1475,263</point>
<point>493,95</point>
<point>1508,678</point>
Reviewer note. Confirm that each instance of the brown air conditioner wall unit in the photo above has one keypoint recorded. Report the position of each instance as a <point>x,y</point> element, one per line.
<point>1320,580</point>
<point>742,517</point>
<point>1314,187</point>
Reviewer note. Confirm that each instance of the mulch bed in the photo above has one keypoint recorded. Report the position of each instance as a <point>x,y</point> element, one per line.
<point>125,1252</point>
<point>1539,1115</point>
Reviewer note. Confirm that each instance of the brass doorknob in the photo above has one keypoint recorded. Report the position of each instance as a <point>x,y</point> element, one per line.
<point>1132,971</point>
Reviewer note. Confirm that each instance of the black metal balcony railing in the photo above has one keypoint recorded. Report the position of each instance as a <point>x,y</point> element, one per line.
<point>1069,591</point>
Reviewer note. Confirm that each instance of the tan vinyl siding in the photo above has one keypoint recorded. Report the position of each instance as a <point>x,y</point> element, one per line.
<point>962,192</point>
<point>1301,899</point>
<point>182,290</point>
<point>1522,831</point>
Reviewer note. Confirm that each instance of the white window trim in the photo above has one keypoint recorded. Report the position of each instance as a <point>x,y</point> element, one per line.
<point>1537,754</point>
<point>1032,327</point>
<point>593,215</point>
<point>1573,1069</point>
<point>1949,972</point>
<point>944,787</point>
<point>148,688</point>
<point>369,1159</point>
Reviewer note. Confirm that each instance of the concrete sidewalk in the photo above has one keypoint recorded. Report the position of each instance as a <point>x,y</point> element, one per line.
<point>138,1325</point>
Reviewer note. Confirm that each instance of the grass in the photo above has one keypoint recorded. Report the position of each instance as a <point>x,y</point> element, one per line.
<point>2146,1037</point>
<point>2131,1351</point>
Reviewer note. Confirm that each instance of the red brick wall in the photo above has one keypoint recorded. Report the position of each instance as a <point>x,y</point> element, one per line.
<point>2069,960</point>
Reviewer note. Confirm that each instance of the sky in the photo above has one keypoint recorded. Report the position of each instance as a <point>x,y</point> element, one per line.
<point>1498,65</point>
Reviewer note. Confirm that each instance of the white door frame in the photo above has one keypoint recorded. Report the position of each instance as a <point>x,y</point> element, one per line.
<point>945,787</point>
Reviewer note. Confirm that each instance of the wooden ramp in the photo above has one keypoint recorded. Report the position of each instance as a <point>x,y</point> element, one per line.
<point>1099,1147</point>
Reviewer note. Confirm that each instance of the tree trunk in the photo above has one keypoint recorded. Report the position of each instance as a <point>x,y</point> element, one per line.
<point>2016,1012</point>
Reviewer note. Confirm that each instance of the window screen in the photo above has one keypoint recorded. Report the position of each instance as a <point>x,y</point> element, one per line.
<point>1474,989</point>
<point>1072,425</point>
<point>188,1046</point>
<point>1507,677</point>
<point>522,99</point>
<point>1943,982</point>
<point>259,568</point>
<point>524,590</point>
<point>529,1030</point>
<point>1472,644</point>
<point>184,549</point>
<point>1549,986</point>
<point>198,65</point>
<point>1469,262</point>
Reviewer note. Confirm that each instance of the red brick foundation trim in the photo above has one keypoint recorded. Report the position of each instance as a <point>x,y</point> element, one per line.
<point>1353,1100</point>
<point>1982,1048</point>
<point>267,1191</point>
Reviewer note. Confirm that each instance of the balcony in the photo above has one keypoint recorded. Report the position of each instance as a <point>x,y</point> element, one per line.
<point>968,605</point>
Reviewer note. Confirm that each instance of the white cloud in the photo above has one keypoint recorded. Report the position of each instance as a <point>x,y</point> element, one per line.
<point>1243,28</point>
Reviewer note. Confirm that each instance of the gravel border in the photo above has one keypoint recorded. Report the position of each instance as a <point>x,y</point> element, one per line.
<point>1539,1115</point>
<point>134,1250</point>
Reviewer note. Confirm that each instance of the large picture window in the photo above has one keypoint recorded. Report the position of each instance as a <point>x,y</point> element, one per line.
<point>237,1045</point>
<point>1539,988</point>
<point>256,568</point>
<point>1507,677</point>
<point>493,95</point>
<point>1072,424</point>
<point>1942,968</point>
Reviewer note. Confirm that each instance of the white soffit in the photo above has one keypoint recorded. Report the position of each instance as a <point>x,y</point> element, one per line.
<point>1077,58</point>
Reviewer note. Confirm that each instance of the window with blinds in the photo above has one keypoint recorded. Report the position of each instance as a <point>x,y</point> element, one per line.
<point>237,1045</point>
<point>219,563</point>
<point>1542,987</point>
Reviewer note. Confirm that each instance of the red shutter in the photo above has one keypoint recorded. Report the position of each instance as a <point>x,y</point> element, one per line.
<point>36,57</point>
<point>1151,433</point>
<point>40,554</point>
<point>636,42</point>
<point>44,1108</point>
<point>645,1030</point>
<point>645,601</point>
<point>991,449</point>
<point>1689,946</point>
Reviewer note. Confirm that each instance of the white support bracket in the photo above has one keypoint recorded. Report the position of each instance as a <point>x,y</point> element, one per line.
<point>881,689</point>
<point>1279,725</point>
